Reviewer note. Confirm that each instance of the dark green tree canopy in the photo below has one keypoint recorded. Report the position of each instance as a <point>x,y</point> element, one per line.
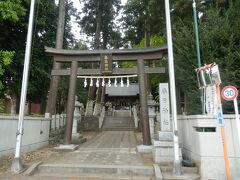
<point>105,12</point>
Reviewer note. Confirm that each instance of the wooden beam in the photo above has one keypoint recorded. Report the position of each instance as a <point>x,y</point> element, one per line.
<point>117,71</point>
<point>61,55</point>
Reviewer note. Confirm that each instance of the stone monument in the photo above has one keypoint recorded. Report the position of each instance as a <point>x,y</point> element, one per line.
<point>163,151</point>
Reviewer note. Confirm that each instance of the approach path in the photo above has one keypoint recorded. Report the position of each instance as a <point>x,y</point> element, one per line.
<point>107,148</point>
<point>109,155</point>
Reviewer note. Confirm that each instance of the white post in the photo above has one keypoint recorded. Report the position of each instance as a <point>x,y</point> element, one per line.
<point>16,164</point>
<point>237,118</point>
<point>177,164</point>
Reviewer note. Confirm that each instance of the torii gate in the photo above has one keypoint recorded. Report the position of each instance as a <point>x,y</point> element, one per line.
<point>75,56</point>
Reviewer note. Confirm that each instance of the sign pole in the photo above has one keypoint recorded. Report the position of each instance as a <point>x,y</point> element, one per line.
<point>177,168</point>
<point>224,141</point>
<point>16,164</point>
<point>237,118</point>
<point>230,93</point>
<point>202,91</point>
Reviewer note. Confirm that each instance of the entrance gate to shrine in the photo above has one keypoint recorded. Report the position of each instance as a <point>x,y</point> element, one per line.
<point>106,57</point>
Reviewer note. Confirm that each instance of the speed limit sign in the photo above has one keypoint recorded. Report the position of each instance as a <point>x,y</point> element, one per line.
<point>229,93</point>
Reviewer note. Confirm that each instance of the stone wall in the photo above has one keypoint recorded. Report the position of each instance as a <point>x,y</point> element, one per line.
<point>89,123</point>
<point>205,148</point>
<point>36,134</point>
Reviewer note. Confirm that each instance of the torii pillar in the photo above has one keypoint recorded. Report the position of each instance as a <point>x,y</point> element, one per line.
<point>144,104</point>
<point>70,103</point>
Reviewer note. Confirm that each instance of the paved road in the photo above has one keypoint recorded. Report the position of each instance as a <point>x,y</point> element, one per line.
<point>108,148</point>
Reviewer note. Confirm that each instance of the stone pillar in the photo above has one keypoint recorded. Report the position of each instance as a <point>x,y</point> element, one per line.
<point>76,120</point>
<point>98,104</point>
<point>89,108</point>
<point>91,97</point>
<point>152,114</point>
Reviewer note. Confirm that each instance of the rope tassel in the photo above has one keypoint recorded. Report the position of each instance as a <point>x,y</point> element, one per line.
<point>97,83</point>
<point>103,82</point>
<point>91,82</point>
<point>109,82</point>
<point>85,82</point>
<point>115,82</point>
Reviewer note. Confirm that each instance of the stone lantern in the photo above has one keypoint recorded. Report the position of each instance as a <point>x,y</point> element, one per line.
<point>76,119</point>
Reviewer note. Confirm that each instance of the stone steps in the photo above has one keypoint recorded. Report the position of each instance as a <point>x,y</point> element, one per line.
<point>93,177</point>
<point>118,124</point>
<point>189,170</point>
<point>73,170</point>
<point>185,176</point>
<point>118,128</point>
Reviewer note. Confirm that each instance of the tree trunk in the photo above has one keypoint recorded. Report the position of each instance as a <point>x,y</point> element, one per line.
<point>99,26</point>
<point>99,92</point>
<point>103,95</point>
<point>52,97</point>
<point>147,42</point>
<point>92,89</point>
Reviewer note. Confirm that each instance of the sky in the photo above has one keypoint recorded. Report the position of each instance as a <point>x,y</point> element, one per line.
<point>75,28</point>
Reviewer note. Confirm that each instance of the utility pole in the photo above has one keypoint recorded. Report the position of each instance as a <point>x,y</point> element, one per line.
<point>177,168</point>
<point>52,98</point>
<point>198,52</point>
<point>16,164</point>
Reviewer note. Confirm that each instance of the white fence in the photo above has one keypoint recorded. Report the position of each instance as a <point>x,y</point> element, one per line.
<point>200,139</point>
<point>36,134</point>
<point>58,121</point>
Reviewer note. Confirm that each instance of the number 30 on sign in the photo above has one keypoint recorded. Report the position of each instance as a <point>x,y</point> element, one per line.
<point>229,93</point>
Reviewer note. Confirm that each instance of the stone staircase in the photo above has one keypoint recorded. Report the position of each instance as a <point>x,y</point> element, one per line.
<point>96,171</point>
<point>118,124</point>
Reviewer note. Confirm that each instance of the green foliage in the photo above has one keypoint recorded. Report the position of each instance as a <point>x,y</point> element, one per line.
<point>139,13</point>
<point>219,42</point>
<point>133,21</point>
<point>11,10</point>
<point>155,41</point>
<point>6,58</point>
<point>105,12</point>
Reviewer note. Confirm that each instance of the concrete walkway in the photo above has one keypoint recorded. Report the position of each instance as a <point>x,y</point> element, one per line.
<point>107,148</point>
<point>110,155</point>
